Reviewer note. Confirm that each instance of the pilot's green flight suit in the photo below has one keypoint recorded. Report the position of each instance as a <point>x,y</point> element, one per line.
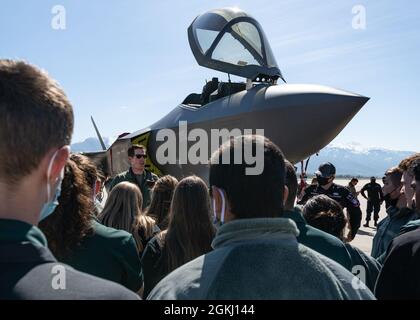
<point>145,189</point>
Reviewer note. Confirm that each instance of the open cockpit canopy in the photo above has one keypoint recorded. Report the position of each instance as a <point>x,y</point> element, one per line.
<point>231,41</point>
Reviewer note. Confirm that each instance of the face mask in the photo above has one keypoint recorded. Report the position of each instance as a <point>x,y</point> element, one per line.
<point>323,181</point>
<point>389,201</point>
<point>385,193</point>
<point>222,217</point>
<point>50,206</point>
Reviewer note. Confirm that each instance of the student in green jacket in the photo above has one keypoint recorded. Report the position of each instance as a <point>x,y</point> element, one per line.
<point>137,173</point>
<point>189,234</point>
<point>313,238</point>
<point>76,238</point>
<point>255,253</point>
<point>36,126</point>
<point>400,210</point>
<point>327,215</point>
<point>122,211</point>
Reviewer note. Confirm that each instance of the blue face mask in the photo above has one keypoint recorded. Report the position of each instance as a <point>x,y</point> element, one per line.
<point>50,206</point>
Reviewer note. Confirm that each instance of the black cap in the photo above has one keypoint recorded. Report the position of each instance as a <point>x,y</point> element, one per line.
<point>326,170</point>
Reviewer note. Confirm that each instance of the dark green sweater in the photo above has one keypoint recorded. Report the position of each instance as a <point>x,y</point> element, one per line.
<point>319,241</point>
<point>109,254</point>
<point>27,270</point>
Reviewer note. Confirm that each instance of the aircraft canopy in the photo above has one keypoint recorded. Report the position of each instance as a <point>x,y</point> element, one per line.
<point>231,41</point>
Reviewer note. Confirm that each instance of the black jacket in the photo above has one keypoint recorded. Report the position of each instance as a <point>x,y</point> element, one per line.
<point>145,240</point>
<point>154,264</point>
<point>339,193</point>
<point>400,276</point>
<point>374,192</point>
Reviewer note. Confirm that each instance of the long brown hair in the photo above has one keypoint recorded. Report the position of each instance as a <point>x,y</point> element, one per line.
<point>163,191</point>
<point>71,221</point>
<point>190,231</point>
<point>123,211</point>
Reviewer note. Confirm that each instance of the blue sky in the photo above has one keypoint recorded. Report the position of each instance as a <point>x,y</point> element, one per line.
<point>128,63</point>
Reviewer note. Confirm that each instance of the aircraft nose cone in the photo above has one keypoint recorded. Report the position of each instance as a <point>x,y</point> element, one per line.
<point>335,108</point>
<point>308,117</point>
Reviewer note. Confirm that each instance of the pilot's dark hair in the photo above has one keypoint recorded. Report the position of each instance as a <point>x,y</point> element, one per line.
<point>292,185</point>
<point>133,147</point>
<point>35,117</point>
<point>250,196</point>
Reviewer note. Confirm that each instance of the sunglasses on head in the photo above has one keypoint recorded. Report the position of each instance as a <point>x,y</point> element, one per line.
<point>139,156</point>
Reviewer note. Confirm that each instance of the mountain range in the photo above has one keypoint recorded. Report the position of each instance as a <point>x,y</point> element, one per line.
<point>355,160</point>
<point>351,159</point>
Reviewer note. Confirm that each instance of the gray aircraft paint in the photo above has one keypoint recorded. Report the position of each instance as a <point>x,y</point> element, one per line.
<point>301,119</point>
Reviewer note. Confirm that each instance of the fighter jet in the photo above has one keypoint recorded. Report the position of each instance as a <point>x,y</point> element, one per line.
<point>301,119</point>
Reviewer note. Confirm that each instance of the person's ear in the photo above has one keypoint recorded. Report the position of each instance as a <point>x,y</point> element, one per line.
<point>285,194</point>
<point>59,162</point>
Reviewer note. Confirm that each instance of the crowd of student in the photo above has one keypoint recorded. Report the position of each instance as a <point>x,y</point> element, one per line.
<point>239,237</point>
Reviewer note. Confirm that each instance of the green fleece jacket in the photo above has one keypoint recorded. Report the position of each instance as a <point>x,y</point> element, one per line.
<point>260,259</point>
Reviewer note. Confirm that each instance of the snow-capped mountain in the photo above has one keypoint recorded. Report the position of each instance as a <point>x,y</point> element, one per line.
<point>356,160</point>
<point>351,159</point>
<point>89,145</point>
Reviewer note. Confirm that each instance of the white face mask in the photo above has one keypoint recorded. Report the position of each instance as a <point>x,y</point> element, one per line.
<point>222,216</point>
